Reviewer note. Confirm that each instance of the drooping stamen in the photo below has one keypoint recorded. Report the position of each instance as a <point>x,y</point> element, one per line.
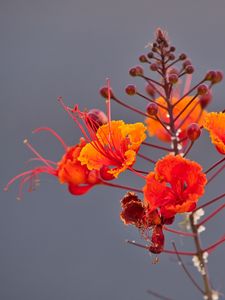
<point>36,153</point>
<point>181,263</point>
<point>38,159</point>
<point>53,133</point>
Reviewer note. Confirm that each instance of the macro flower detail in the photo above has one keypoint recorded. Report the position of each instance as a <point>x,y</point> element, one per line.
<point>175,186</point>
<point>193,114</point>
<point>115,146</point>
<point>68,170</point>
<point>78,177</point>
<point>215,124</point>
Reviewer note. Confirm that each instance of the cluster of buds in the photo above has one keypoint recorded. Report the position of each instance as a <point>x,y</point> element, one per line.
<point>172,185</point>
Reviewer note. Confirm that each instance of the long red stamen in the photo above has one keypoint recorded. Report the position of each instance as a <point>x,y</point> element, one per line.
<point>146,158</point>
<point>215,174</point>
<point>214,165</point>
<point>156,146</point>
<point>165,251</point>
<point>36,153</point>
<point>214,213</point>
<point>178,232</point>
<point>123,187</point>
<point>215,245</point>
<point>210,202</point>
<point>53,133</point>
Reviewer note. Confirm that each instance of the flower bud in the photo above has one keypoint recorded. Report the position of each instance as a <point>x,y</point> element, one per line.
<point>143,59</point>
<point>218,77</point>
<point>186,63</point>
<point>203,89</point>
<point>183,56</point>
<point>136,71</point>
<point>168,221</point>
<point>193,131</point>
<point>172,49</point>
<point>154,67</point>
<point>189,69</point>
<point>150,90</point>
<point>150,55</point>
<point>205,100</point>
<point>157,240</point>
<point>131,90</point>
<point>104,92</point>
<point>152,109</point>
<point>210,75</point>
<point>171,56</point>
<point>96,118</point>
<point>105,175</point>
<point>173,78</point>
<point>93,177</point>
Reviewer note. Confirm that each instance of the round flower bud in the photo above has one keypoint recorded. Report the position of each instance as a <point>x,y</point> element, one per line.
<point>218,77</point>
<point>203,89</point>
<point>193,131</point>
<point>150,55</point>
<point>96,118</point>
<point>171,56</point>
<point>210,75</point>
<point>172,49</point>
<point>104,92</point>
<point>154,67</point>
<point>105,175</point>
<point>136,71</point>
<point>183,56</point>
<point>173,78</point>
<point>143,59</point>
<point>168,221</point>
<point>131,90</point>
<point>150,90</point>
<point>189,69</point>
<point>152,109</point>
<point>186,63</point>
<point>205,100</point>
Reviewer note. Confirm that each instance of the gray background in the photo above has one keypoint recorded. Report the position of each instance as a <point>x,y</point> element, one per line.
<point>54,245</point>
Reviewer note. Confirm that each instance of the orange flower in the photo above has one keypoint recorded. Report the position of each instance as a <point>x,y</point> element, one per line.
<point>193,113</point>
<point>215,124</point>
<point>68,170</point>
<point>78,177</point>
<point>114,145</point>
<point>175,186</point>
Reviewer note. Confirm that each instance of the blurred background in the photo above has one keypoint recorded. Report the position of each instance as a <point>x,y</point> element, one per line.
<point>57,246</point>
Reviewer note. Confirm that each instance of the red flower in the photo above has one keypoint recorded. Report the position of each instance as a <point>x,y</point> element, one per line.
<point>215,124</point>
<point>175,186</point>
<point>68,170</point>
